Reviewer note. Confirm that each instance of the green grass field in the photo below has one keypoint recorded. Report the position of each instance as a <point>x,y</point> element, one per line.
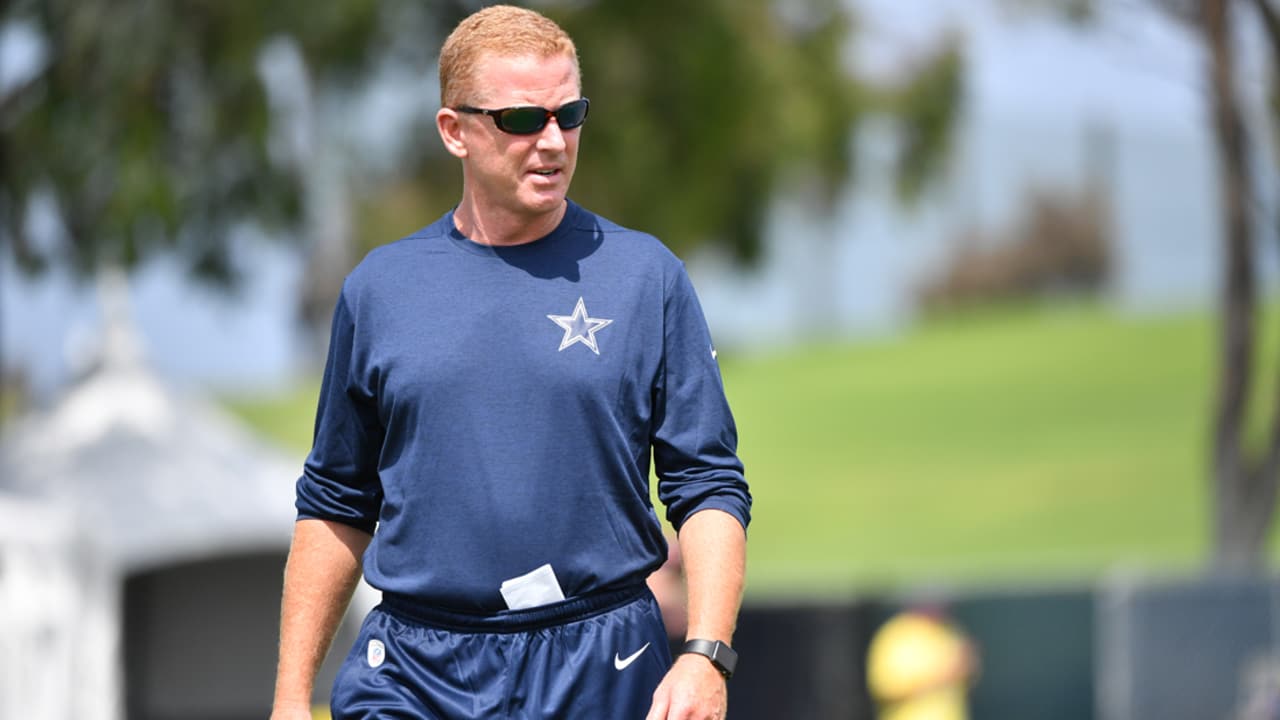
<point>1037,444</point>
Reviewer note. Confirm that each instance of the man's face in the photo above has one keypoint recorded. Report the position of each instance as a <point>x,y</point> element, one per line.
<point>521,174</point>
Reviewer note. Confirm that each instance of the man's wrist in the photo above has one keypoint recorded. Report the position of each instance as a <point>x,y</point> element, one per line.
<point>722,657</point>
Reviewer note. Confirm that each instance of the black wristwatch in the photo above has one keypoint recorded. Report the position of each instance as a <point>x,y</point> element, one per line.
<point>720,655</point>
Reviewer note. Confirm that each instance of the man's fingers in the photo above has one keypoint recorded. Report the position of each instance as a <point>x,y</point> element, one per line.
<point>661,701</point>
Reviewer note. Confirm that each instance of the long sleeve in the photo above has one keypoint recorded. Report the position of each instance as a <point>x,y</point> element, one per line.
<point>694,439</point>
<point>340,477</point>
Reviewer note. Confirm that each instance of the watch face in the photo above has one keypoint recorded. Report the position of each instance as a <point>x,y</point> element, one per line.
<point>722,656</point>
<point>725,658</point>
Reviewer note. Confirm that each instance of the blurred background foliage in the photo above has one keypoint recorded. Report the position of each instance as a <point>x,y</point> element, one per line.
<point>150,128</point>
<point>147,127</point>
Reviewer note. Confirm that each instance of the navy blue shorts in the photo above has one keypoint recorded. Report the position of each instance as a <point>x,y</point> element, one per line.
<point>596,657</point>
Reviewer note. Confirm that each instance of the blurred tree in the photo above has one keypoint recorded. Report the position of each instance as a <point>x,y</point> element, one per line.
<point>149,128</point>
<point>1271,26</point>
<point>707,106</point>
<point>1245,465</point>
<point>1245,475</point>
<point>1245,470</point>
<point>926,105</point>
<point>146,128</point>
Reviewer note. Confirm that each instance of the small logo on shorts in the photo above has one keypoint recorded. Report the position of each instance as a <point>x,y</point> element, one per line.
<point>376,653</point>
<point>621,663</point>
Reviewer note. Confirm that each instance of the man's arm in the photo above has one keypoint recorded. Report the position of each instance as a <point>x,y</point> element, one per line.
<point>714,547</point>
<point>319,579</point>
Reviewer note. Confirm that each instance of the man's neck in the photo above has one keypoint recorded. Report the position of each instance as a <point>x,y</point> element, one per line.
<point>499,227</point>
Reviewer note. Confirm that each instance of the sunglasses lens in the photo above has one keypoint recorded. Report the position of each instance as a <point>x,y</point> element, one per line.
<point>522,120</point>
<point>531,119</point>
<point>571,115</point>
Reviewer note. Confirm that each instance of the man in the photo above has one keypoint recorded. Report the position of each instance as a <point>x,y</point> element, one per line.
<point>495,385</point>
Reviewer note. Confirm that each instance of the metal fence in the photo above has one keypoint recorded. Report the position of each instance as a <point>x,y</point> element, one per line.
<point>1188,649</point>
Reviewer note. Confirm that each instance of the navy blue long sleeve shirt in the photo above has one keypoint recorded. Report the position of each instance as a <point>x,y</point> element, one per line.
<point>490,409</point>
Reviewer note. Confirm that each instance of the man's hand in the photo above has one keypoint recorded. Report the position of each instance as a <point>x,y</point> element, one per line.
<point>692,690</point>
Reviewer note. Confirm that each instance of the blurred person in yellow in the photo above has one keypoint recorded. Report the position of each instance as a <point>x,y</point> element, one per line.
<point>920,666</point>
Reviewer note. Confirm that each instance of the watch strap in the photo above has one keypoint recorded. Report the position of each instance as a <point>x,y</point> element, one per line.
<point>721,656</point>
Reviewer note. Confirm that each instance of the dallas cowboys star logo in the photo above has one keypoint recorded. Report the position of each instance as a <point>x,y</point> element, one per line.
<point>579,328</point>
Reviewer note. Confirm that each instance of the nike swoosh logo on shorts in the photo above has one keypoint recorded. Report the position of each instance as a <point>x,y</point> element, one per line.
<point>621,664</point>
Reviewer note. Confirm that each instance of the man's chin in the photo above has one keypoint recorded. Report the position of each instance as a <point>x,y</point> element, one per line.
<point>543,203</point>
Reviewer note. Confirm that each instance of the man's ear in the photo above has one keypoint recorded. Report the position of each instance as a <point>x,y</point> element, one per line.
<point>450,127</point>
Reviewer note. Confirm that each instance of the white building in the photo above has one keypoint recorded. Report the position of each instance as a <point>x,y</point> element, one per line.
<point>142,537</point>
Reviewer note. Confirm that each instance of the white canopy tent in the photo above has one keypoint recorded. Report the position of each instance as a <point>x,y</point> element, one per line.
<point>153,476</point>
<point>141,521</point>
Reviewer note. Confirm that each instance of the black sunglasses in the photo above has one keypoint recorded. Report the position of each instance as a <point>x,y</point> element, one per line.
<point>529,119</point>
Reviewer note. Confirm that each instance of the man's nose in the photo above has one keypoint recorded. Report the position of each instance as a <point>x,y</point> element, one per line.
<point>551,137</point>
